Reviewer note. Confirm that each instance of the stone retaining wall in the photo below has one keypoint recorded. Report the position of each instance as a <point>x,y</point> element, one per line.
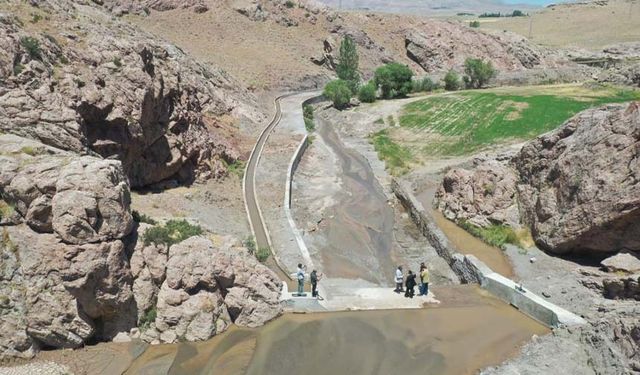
<point>471,270</point>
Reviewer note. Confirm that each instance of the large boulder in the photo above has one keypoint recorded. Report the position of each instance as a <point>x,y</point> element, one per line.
<point>60,295</point>
<point>124,95</point>
<point>208,287</point>
<point>482,196</point>
<point>579,189</point>
<point>577,186</point>
<point>81,198</point>
<point>439,46</point>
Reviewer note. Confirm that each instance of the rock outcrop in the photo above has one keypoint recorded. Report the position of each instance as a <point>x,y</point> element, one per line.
<point>64,274</point>
<point>124,95</point>
<point>142,7</point>
<point>208,287</point>
<point>577,187</point>
<point>482,196</point>
<point>440,46</point>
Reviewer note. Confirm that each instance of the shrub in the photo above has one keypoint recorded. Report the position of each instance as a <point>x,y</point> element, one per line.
<point>477,73</point>
<point>32,45</point>
<point>307,115</point>
<point>394,80</point>
<point>35,18</point>
<point>250,244</point>
<point>338,92</point>
<point>147,318</point>
<point>518,13</point>
<point>474,24</point>
<point>117,62</point>
<point>142,218</point>
<point>367,93</point>
<point>495,235</point>
<point>289,4</point>
<point>451,81</point>
<point>424,85</point>
<point>236,167</point>
<point>171,233</point>
<point>17,69</point>
<point>263,254</point>
<point>347,67</point>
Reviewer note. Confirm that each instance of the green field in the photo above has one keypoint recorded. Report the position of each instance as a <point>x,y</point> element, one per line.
<point>466,122</point>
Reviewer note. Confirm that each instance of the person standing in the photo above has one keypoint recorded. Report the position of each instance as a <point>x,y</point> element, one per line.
<point>424,280</point>
<point>399,278</point>
<point>410,284</point>
<point>314,278</point>
<point>300,277</point>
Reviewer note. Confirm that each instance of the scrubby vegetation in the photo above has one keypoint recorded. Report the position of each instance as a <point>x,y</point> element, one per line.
<point>451,81</point>
<point>307,115</point>
<point>495,235</point>
<point>250,244</point>
<point>367,93</point>
<point>142,218</point>
<point>477,73</point>
<point>425,84</point>
<point>474,24</point>
<point>171,233</point>
<point>148,318</point>
<point>515,13</point>
<point>263,254</point>
<point>32,46</point>
<point>236,167</point>
<point>6,209</point>
<point>394,155</point>
<point>338,92</point>
<point>394,80</point>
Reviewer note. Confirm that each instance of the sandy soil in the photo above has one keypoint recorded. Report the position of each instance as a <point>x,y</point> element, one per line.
<point>589,26</point>
<point>218,206</point>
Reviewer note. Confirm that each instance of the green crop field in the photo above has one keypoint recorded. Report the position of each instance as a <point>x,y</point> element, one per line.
<point>466,122</point>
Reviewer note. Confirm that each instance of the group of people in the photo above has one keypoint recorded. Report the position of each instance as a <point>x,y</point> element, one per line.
<point>314,278</point>
<point>410,281</point>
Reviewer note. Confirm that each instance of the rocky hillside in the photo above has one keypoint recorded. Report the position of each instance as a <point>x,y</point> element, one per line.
<point>275,43</point>
<point>74,267</point>
<point>576,188</point>
<point>76,79</point>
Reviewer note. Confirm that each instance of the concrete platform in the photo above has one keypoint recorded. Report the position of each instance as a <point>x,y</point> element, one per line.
<point>347,295</point>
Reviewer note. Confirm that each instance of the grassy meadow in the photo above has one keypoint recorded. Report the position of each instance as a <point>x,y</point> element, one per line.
<point>465,122</point>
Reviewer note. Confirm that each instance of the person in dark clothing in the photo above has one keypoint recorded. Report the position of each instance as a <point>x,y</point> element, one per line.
<point>314,278</point>
<point>410,284</point>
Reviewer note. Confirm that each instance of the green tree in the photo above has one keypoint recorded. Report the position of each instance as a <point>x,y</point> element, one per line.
<point>474,24</point>
<point>367,93</point>
<point>394,80</point>
<point>477,73</point>
<point>347,67</point>
<point>451,81</point>
<point>425,84</point>
<point>338,92</point>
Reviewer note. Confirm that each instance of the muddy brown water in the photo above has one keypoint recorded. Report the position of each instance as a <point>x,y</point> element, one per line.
<point>468,331</point>
<point>360,233</point>
<point>465,242</point>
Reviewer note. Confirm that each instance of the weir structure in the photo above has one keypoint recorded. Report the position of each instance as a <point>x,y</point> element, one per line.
<point>468,268</point>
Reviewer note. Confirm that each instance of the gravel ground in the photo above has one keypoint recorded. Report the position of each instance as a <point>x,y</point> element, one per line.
<point>36,368</point>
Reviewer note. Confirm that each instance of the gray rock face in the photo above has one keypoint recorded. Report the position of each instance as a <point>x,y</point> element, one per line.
<point>54,293</point>
<point>209,287</point>
<point>622,262</point>
<point>440,46</point>
<point>485,195</point>
<point>124,95</point>
<point>122,7</point>
<point>81,198</point>
<point>577,186</point>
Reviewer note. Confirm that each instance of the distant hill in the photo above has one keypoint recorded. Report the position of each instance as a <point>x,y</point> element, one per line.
<point>432,7</point>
